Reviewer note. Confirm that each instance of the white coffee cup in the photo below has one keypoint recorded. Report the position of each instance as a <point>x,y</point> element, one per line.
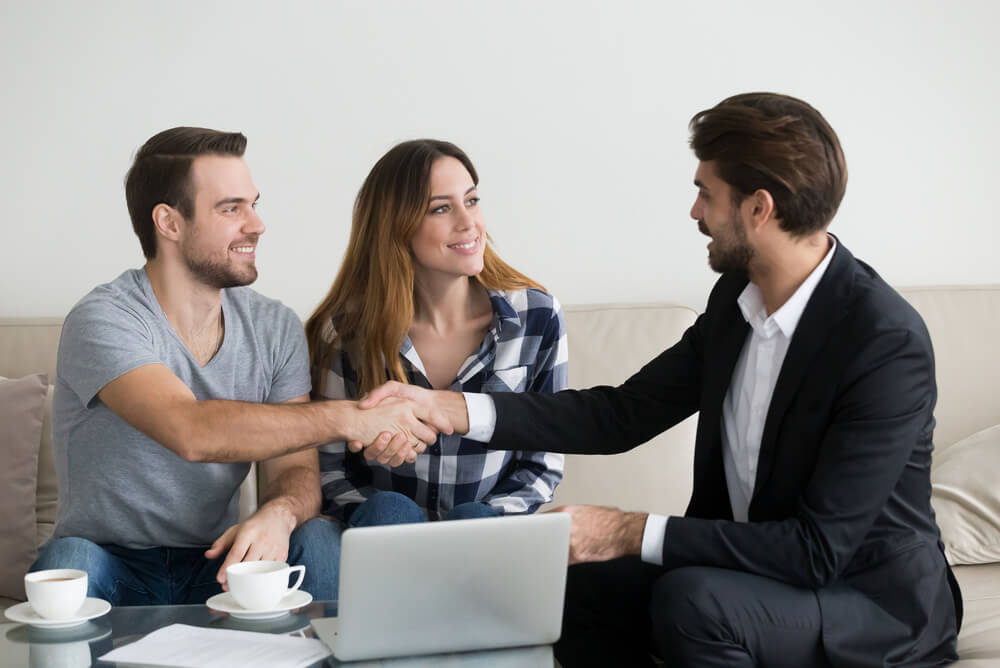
<point>260,585</point>
<point>57,593</point>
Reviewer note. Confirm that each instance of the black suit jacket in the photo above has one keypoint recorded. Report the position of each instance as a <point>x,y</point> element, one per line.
<point>841,502</point>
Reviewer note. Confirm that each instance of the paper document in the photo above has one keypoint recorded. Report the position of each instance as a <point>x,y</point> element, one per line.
<point>195,647</point>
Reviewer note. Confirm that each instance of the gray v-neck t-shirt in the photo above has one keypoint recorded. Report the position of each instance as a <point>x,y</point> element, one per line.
<point>117,485</point>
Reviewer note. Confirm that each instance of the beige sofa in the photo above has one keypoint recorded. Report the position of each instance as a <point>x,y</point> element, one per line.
<point>609,342</point>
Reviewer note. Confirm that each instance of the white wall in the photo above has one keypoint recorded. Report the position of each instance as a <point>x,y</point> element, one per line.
<point>574,112</point>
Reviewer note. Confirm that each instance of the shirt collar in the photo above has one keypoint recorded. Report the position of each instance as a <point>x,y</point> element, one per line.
<point>786,318</point>
<point>503,311</point>
<point>503,308</point>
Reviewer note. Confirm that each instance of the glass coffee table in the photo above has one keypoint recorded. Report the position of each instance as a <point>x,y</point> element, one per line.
<point>79,646</point>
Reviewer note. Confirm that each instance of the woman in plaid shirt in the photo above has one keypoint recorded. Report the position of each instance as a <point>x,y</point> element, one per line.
<point>422,298</point>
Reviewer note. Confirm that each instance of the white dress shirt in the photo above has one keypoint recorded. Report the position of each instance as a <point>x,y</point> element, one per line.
<point>744,409</point>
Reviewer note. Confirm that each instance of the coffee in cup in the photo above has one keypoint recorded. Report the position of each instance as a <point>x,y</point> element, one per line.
<point>57,593</point>
<point>260,585</point>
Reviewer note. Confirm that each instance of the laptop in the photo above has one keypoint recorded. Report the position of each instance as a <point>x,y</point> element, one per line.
<point>450,586</point>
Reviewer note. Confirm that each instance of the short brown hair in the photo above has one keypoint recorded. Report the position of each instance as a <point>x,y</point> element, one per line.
<point>161,173</point>
<point>779,144</point>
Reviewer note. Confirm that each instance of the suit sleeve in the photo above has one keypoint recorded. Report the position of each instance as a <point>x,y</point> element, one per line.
<point>881,413</point>
<point>607,420</point>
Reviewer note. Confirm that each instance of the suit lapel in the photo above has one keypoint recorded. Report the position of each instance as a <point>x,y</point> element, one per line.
<point>826,307</point>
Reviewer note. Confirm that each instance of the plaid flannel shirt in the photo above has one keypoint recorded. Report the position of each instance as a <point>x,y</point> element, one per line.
<point>525,350</point>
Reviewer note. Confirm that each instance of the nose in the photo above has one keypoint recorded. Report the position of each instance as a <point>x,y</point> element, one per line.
<point>254,224</point>
<point>466,219</point>
<point>696,209</point>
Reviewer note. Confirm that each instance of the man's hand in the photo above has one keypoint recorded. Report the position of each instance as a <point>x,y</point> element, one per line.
<point>415,393</point>
<point>397,430</point>
<point>599,533</point>
<point>441,409</point>
<point>264,536</point>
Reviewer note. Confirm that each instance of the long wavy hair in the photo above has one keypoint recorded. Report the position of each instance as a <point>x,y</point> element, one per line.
<point>369,309</point>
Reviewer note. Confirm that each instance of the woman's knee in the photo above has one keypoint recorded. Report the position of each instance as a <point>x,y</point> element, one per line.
<point>472,510</point>
<point>387,508</point>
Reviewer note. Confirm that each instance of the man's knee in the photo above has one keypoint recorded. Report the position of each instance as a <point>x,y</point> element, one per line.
<point>84,555</point>
<point>72,552</point>
<point>316,538</point>
<point>316,545</point>
<point>685,603</point>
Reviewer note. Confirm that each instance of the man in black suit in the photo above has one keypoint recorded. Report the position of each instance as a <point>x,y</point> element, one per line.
<point>809,539</point>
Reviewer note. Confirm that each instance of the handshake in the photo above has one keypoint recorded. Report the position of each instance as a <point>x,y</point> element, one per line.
<point>395,422</point>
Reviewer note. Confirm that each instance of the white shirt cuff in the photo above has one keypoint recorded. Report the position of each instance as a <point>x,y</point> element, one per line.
<point>652,539</point>
<point>482,416</point>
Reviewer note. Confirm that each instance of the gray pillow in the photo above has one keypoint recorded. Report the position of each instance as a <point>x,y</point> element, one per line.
<point>22,406</point>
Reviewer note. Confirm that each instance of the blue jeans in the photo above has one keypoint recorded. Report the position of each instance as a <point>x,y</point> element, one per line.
<point>182,575</point>
<point>395,508</point>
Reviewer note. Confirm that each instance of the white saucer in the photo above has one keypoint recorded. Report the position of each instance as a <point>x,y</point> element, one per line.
<point>225,602</point>
<point>25,614</point>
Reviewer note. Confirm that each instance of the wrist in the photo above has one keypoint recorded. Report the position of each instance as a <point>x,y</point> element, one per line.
<point>455,409</point>
<point>345,420</point>
<point>634,529</point>
<point>283,510</point>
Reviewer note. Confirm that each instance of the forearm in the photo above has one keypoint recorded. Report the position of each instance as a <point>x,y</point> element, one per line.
<point>296,494</point>
<point>601,533</point>
<point>603,419</point>
<point>205,429</point>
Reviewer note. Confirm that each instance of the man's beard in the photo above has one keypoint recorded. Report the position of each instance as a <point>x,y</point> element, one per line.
<point>733,254</point>
<point>217,274</point>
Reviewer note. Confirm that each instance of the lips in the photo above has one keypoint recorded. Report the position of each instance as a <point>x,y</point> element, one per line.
<point>703,229</point>
<point>245,247</point>
<point>464,245</point>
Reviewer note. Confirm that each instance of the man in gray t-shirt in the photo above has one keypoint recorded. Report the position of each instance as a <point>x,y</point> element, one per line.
<point>107,475</point>
<point>168,386</point>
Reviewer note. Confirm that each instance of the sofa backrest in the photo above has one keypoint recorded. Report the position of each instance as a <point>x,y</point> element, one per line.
<point>964,323</point>
<point>29,345</point>
<point>609,342</point>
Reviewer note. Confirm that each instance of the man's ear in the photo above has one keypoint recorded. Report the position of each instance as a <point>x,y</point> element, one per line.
<point>167,221</point>
<point>762,208</point>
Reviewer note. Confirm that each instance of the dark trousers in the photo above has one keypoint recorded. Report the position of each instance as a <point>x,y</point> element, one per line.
<point>620,612</point>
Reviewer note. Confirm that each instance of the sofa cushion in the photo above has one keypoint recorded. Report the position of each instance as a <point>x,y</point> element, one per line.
<point>22,408</point>
<point>979,640</point>
<point>966,498</point>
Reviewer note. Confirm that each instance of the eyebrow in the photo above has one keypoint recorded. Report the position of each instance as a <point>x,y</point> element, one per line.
<point>700,184</point>
<point>235,200</point>
<point>448,197</point>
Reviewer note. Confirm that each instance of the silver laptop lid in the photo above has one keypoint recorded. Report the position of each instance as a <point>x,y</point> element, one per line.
<point>450,586</point>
